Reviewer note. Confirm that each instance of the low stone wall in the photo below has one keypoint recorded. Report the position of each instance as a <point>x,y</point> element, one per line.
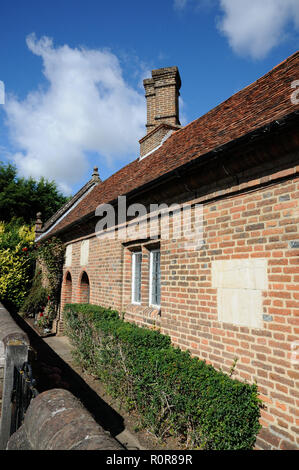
<point>9,331</point>
<point>14,344</point>
<point>56,420</point>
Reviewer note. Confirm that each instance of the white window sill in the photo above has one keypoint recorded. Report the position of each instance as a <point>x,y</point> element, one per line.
<point>156,307</point>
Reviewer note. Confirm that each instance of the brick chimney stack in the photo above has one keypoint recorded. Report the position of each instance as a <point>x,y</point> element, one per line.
<point>162,98</point>
<point>149,86</point>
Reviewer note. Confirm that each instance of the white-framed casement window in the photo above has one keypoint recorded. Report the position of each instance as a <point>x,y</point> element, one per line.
<point>136,277</point>
<point>154,284</point>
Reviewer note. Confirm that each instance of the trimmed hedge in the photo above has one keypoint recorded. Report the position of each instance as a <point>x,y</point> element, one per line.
<point>174,393</point>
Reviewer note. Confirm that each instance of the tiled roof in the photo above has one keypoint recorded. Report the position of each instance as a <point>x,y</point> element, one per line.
<point>262,102</point>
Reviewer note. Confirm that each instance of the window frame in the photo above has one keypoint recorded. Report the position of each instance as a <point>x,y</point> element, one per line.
<point>133,283</point>
<point>151,278</point>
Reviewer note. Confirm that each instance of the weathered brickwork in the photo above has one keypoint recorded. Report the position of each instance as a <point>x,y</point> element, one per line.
<point>104,272</point>
<point>162,97</point>
<point>152,140</point>
<point>258,223</point>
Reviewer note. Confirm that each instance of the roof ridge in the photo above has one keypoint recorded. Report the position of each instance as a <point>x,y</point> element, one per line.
<point>288,59</point>
<point>67,204</point>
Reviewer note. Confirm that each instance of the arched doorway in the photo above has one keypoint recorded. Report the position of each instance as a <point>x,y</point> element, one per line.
<point>66,298</point>
<point>84,289</point>
<point>68,287</point>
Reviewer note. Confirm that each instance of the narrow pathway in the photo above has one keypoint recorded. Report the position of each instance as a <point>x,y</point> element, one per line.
<point>62,347</point>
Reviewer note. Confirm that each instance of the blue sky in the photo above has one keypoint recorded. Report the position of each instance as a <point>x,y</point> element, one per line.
<point>73,72</point>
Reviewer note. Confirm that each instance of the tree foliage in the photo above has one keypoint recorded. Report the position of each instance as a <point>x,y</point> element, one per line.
<point>22,198</point>
<point>16,263</point>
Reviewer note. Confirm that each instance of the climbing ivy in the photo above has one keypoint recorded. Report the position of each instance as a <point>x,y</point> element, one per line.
<point>44,296</point>
<point>50,254</point>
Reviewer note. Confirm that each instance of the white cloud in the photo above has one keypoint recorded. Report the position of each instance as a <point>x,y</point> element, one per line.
<point>179,4</point>
<point>254,27</point>
<point>182,109</point>
<point>87,107</point>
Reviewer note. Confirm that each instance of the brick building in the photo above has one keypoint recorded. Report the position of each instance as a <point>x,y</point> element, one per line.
<point>234,292</point>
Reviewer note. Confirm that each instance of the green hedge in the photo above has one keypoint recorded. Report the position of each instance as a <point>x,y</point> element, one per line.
<point>173,393</point>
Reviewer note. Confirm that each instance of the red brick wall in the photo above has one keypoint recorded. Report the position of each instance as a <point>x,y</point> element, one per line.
<point>259,222</point>
<point>104,271</point>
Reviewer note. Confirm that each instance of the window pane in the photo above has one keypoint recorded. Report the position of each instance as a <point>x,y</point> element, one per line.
<point>155,281</point>
<point>136,277</point>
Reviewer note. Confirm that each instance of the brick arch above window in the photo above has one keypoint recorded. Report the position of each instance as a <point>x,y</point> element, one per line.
<point>68,277</point>
<point>68,287</point>
<point>84,288</point>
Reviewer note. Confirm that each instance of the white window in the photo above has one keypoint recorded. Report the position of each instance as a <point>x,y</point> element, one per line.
<point>84,252</point>
<point>136,277</point>
<point>154,294</point>
<point>68,255</point>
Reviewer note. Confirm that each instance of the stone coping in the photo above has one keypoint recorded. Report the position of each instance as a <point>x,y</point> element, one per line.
<point>56,420</point>
<point>10,332</point>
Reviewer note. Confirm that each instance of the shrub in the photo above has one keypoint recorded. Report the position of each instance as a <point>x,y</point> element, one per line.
<point>16,263</point>
<point>37,298</point>
<point>173,393</point>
